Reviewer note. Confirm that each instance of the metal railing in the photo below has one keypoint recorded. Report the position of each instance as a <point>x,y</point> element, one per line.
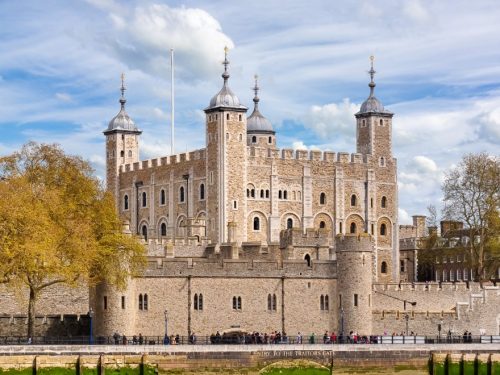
<point>246,340</point>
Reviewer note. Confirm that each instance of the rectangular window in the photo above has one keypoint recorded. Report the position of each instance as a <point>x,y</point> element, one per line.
<point>373,229</point>
<point>369,300</point>
<point>235,205</point>
<point>211,178</point>
<point>123,302</point>
<point>355,300</point>
<point>340,300</point>
<point>402,266</point>
<point>105,302</point>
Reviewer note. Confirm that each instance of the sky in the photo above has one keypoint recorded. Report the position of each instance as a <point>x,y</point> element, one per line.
<point>437,63</point>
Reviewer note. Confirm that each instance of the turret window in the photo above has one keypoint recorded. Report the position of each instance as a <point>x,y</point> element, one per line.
<point>383,229</point>
<point>163,229</point>
<point>324,303</point>
<point>144,199</point>
<point>270,140</point>
<point>254,139</point>
<point>236,303</point>
<point>353,200</point>
<point>382,162</point>
<point>256,223</point>
<point>202,191</point>
<point>198,302</point>
<point>227,116</point>
<point>322,198</point>
<point>163,197</point>
<point>239,117</point>
<point>144,232</point>
<point>381,122</point>
<point>289,223</point>
<point>383,202</point>
<point>307,258</point>
<point>271,302</point>
<point>383,268</point>
<point>125,202</point>
<point>181,194</point>
<point>353,228</point>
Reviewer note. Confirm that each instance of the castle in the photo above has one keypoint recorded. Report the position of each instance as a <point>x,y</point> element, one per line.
<point>242,235</point>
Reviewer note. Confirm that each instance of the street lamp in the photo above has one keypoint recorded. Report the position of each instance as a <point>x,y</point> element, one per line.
<point>407,318</point>
<point>166,322</point>
<point>342,323</point>
<point>91,316</point>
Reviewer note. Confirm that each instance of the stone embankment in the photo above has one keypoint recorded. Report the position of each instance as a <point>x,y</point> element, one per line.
<point>144,360</point>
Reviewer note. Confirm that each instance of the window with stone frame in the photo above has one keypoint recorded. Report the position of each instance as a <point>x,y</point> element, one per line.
<point>353,200</point>
<point>322,198</point>
<point>202,191</point>
<point>125,202</point>
<point>163,197</point>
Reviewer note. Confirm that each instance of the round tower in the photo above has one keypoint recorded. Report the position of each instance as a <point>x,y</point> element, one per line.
<point>354,283</point>
<point>114,310</point>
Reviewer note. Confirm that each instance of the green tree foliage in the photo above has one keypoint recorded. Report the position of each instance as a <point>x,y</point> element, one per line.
<point>472,196</point>
<point>59,226</point>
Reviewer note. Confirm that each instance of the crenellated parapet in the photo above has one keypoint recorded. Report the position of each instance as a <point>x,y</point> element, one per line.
<point>311,238</point>
<point>309,155</point>
<point>164,161</point>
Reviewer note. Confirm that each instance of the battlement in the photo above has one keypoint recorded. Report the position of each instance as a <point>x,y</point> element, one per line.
<point>444,287</point>
<point>239,268</point>
<point>315,155</point>
<point>164,161</point>
<point>409,243</point>
<point>311,238</point>
<point>352,242</point>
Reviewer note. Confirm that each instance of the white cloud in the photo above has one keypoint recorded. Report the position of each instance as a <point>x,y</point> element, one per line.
<point>65,97</point>
<point>404,217</point>
<point>329,120</point>
<point>415,10</point>
<point>196,36</point>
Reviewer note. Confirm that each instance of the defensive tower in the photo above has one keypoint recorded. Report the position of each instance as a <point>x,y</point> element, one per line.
<point>354,282</point>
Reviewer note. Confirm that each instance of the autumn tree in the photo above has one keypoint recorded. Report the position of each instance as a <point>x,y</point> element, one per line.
<point>472,196</point>
<point>59,226</point>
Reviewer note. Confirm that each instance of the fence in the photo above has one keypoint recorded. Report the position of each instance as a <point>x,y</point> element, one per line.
<point>245,340</point>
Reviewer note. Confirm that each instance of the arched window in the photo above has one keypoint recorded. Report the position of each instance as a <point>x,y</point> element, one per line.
<point>327,303</point>
<point>163,229</point>
<point>125,202</point>
<point>383,229</point>
<point>384,202</point>
<point>163,197</point>
<point>254,139</point>
<point>382,162</point>
<point>322,302</point>
<point>270,140</point>
<point>181,194</point>
<point>227,116</point>
<point>140,302</point>
<point>202,191</point>
<point>267,193</point>
<point>252,193</point>
<point>195,301</point>
<point>353,228</point>
<point>280,194</point>
<point>353,200</point>
<point>383,268</point>
<point>322,198</point>
<point>239,303</point>
<point>144,199</point>
<point>256,223</point>
<point>239,117</point>
<point>122,153</point>
<point>145,232</point>
<point>235,303</point>
<point>322,224</point>
<point>294,194</point>
<point>285,195</point>
<point>262,193</point>
<point>381,122</point>
<point>145,301</point>
<point>200,302</point>
<point>129,153</point>
<point>307,258</point>
<point>274,302</point>
<point>248,193</point>
<point>299,195</point>
<point>289,223</point>
<point>269,302</point>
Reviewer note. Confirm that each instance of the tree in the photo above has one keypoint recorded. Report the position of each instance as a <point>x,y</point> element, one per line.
<point>59,226</point>
<point>472,196</point>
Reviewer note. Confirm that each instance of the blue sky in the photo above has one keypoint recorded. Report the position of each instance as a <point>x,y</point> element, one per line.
<point>437,62</point>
